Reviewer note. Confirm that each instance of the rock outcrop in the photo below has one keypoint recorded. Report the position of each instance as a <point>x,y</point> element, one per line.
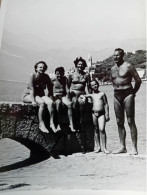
<point>19,121</point>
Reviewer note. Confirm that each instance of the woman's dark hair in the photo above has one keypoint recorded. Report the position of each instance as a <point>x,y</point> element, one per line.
<point>41,62</point>
<point>60,69</point>
<point>77,60</point>
<point>120,50</point>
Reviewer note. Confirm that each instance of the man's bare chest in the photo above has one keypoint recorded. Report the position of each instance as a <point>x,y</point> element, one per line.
<point>119,72</point>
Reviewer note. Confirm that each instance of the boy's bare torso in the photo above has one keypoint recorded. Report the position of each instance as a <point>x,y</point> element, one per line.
<point>98,101</point>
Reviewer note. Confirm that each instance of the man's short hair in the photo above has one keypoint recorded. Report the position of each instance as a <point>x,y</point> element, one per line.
<point>120,50</point>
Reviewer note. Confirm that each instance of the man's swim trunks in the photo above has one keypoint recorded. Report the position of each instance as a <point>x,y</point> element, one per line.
<point>98,113</point>
<point>120,95</point>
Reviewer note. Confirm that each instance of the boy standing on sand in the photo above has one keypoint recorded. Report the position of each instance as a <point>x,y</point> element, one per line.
<point>100,115</point>
<point>61,95</point>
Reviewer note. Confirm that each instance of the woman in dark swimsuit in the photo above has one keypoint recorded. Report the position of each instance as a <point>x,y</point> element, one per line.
<point>35,94</point>
<point>78,81</point>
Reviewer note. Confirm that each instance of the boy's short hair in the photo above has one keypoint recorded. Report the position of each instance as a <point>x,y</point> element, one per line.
<point>120,50</point>
<point>60,69</point>
<point>41,62</point>
<point>95,81</point>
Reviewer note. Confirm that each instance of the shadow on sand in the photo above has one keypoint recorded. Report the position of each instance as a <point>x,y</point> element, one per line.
<point>29,161</point>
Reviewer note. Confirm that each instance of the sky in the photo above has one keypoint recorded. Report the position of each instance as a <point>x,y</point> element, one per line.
<point>79,20</point>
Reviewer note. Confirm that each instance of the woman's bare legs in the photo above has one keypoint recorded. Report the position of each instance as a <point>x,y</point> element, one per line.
<point>81,104</point>
<point>68,103</point>
<point>40,102</point>
<point>78,107</point>
<point>50,105</point>
<point>27,99</point>
<point>40,114</point>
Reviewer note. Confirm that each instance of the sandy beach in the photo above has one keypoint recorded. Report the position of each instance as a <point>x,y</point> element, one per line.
<point>89,173</point>
<point>78,192</point>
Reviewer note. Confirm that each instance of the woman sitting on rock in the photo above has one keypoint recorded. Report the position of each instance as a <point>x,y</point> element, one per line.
<point>35,94</point>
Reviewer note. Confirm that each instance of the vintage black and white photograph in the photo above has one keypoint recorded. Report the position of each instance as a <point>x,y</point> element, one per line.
<point>73,97</point>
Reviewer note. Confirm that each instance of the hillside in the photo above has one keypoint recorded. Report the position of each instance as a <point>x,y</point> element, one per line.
<point>137,59</point>
<point>102,69</point>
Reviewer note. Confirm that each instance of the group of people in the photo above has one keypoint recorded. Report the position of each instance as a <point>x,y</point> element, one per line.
<point>74,90</point>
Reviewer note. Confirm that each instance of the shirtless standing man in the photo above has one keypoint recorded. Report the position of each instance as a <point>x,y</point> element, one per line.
<point>124,98</point>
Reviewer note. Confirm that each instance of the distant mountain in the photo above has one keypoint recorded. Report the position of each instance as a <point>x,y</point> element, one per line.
<point>18,55</point>
<point>40,44</point>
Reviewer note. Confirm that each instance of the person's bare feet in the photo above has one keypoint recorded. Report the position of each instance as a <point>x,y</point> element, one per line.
<point>106,151</point>
<point>43,128</point>
<point>72,128</point>
<point>58,128</point>
<point>52,126</point>
<point>97,150</point>
<point>134,151</point>
<point>120,151</point>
